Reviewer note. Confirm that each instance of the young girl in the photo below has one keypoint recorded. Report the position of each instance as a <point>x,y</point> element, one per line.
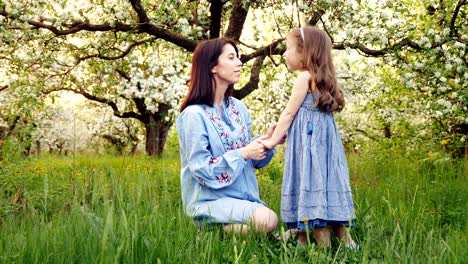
<point>316,192</point>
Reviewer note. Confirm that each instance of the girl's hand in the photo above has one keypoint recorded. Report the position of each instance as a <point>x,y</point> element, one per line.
<point>255,150</point>
<point>267,140</point>
<point>267,143</point>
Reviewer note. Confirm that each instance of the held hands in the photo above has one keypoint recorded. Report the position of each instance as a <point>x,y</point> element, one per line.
<point>258,148</point>
<point>255,150</point>
<point>267,141</point>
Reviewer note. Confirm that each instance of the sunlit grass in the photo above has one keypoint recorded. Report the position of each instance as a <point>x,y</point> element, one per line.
<point>109,209</point>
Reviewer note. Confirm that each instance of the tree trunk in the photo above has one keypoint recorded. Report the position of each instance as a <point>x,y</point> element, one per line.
<point>156,134</point>
<point>387,131</point>
<point>134,149</point>
<point>38,147</point>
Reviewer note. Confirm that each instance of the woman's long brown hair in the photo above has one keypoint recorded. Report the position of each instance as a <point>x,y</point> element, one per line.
<point>202,85</point>
<point>317,59</point>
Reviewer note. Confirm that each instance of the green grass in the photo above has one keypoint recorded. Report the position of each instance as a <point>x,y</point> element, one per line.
<point>128,210</point>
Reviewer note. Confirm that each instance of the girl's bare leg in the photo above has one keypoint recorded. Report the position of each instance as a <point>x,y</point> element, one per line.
<point>342,233</point>
<point>302,238</point>
<point>322,236</point>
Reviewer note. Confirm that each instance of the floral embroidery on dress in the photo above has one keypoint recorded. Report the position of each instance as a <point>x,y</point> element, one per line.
<point>216,119</point>
<point>230,140</point>
<point>224,178</point>
<point>214,160</point>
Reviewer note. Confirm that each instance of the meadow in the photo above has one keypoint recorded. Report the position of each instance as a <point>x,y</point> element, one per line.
<point>110,209</point>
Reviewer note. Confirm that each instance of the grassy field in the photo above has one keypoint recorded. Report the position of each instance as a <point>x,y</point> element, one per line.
<point>127,209</point>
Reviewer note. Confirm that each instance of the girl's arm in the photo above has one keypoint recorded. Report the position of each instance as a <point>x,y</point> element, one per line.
<point>298,94</point>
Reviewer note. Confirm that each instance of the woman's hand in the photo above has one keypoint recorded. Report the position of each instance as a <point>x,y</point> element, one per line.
<point>254,150</point>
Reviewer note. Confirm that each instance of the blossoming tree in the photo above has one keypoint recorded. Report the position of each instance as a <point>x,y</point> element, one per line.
<point>132,55</point>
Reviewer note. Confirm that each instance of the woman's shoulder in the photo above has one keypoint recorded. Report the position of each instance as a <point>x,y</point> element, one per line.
<point>195,108</point>
<point>191,117</point>
<point>191,111</point>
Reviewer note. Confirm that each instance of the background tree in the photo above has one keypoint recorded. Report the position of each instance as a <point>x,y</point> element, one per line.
<point>112,52</point>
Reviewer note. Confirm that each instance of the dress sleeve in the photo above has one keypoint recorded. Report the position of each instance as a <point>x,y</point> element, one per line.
<point>269,155</point>
<point>212,172</point>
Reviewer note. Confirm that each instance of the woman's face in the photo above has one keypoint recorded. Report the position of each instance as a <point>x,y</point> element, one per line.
<point>293,57</point>
<point>228,69</point>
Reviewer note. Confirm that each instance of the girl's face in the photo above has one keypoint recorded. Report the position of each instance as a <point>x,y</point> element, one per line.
<point>293,57</point>
<point>228,69</point>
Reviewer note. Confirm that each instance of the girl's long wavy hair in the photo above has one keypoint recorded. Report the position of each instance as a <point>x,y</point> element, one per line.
<point>317,59</point>
<point>202,85</point>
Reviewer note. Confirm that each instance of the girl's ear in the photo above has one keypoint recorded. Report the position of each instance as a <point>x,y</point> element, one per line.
<point>213,70</point>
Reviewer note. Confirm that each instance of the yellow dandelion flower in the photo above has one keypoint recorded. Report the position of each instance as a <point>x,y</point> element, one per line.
<point>305,219</point>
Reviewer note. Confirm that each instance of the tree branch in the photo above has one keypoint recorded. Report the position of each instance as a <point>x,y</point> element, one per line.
<point>365,133</point>
<point>123,54</point>
<point>72,28</point>
<point>254,79</point>
<point>6,132</point>
<point>170,36</point>
<point>147,27</point>
<point>216,11</point>
<point>236,21</point>
<point>316,17</point>
<point>142,16</point>
<point>378,53</point>
<point>92,97</point>
<point>123,74</point>
<point>269,50</point>
<point>455,14</point>
<point>3,87</point>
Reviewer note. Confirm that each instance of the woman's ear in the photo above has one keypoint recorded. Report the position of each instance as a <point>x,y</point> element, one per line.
<point>213,70</point>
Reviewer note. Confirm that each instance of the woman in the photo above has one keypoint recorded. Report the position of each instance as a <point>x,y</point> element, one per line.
<point>217,154</point>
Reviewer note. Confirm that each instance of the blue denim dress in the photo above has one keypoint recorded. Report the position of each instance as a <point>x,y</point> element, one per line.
<point>217,184</point>
<point>316,191</point>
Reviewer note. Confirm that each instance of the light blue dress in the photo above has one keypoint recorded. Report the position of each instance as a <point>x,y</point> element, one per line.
<point>217,184</point>
<point>315,179</point>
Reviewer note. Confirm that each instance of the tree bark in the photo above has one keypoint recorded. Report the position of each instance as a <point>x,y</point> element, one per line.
<point>387,131</point>
<point>216,11</point>
<point>156,135</point>
<point>237,19</point>
<point>38,147</point>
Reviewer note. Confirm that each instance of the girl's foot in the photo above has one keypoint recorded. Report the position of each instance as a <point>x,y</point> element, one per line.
<point>289,234</point>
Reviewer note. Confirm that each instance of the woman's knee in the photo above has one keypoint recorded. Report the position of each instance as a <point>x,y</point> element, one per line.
<point>264,219</point>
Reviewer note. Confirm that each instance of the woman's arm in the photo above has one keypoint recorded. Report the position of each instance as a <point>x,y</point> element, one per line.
<point>195,147</point>
<point>213,172</point>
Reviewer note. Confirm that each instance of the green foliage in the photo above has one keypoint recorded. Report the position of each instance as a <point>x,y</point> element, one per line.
<point>410,209</point>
